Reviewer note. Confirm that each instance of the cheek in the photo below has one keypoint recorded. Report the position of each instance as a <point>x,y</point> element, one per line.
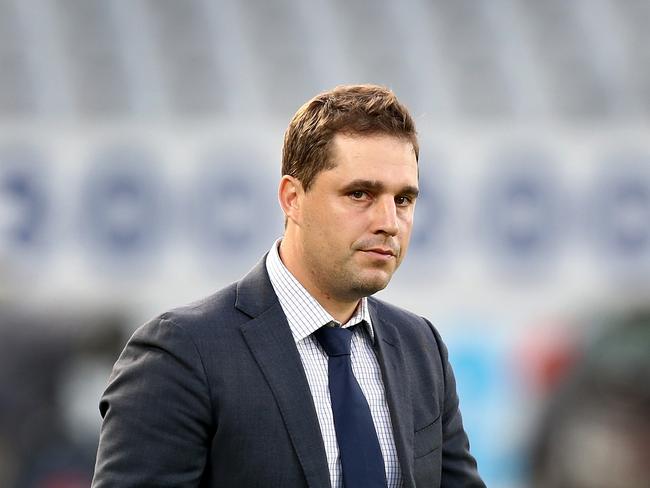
<point>335,225</point>
<point>323,228</point>
<point>405,234</point>
<point>341,221</point>
<point>406,225</point>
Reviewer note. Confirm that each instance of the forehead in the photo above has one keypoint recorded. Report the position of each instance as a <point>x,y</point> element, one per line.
<point>378,155</point>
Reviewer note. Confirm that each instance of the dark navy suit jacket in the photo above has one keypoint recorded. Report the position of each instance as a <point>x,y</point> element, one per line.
<point>214,395</point>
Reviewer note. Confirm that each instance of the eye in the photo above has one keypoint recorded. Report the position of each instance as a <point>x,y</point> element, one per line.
<point>358,194</point>
<point>402,201</point>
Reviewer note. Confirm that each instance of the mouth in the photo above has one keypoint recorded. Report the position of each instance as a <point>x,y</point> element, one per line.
<point>379,253</point>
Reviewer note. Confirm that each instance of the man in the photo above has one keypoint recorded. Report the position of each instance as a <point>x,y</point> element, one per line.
<point>294,376</point>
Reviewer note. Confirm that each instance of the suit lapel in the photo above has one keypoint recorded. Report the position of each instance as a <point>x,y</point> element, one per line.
<point>270,340</point>
<point>398,390</point>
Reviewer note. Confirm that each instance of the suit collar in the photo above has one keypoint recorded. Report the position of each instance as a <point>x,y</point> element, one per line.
<point>269,339</point>
<point>398,388</point>
<point>254,291</point>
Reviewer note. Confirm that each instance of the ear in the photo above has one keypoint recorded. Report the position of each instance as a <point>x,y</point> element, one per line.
<point>290,194</point>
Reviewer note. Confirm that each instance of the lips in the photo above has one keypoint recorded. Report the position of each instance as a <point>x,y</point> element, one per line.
<point>385,252</point>
<point>381,253</point>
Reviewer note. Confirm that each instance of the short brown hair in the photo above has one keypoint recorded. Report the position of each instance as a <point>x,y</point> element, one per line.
<point>347,109</point>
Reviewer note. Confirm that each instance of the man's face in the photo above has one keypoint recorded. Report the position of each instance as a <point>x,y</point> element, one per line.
<point>356,218</point>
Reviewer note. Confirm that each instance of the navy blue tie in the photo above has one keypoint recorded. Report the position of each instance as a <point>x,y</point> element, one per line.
<point>361,461</point>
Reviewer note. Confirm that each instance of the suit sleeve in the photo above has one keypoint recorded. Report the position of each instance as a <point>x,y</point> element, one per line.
<point>156,412</point>
<point>459,467</point>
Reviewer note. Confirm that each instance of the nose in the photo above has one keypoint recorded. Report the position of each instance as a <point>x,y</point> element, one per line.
<point>385,216</point>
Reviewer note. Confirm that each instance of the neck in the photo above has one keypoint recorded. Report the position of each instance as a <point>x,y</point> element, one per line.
<point>340,310</point>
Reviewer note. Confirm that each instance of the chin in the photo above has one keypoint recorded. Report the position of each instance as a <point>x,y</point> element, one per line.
<point>371,286</point>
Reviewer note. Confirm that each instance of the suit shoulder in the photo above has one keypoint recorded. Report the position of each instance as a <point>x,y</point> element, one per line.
<point>211,313</point>
<point>407,321</point>
<point>393,313</point>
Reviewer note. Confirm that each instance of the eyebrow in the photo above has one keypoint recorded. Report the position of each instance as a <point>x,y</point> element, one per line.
<point>378,187</point>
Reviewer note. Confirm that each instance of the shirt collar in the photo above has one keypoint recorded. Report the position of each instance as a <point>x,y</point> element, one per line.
<point>304,314</point>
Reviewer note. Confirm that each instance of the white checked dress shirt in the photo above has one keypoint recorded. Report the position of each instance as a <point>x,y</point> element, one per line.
<point>305,315</point>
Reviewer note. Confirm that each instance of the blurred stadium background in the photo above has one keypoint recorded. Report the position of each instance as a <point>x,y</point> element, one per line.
<point>140,149</point>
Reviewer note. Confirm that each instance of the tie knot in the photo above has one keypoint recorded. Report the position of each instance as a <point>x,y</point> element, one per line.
<point>335,340</point>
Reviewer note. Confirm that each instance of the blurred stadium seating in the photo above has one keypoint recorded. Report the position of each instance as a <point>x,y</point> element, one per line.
<point>140,144</point>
